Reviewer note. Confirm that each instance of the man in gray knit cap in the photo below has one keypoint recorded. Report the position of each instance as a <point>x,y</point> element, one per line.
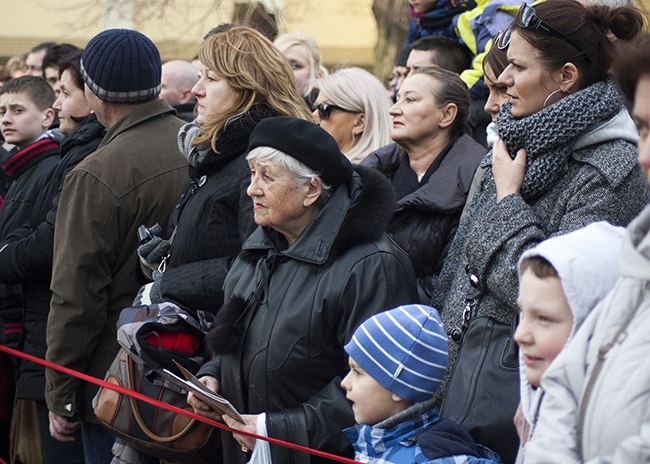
<point>135,177</point>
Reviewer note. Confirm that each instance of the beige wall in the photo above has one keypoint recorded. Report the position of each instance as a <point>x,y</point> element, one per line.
<point>345,29</point>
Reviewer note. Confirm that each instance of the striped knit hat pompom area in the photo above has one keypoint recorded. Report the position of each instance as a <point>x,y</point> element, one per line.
<point>122,66</point>
<point>404,349</point>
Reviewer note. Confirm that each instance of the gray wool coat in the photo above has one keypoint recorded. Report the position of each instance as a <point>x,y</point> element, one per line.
<point>602,182</point>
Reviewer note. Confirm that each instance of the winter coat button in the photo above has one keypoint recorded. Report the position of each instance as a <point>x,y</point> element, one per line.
<point>203,180</point>
<point>456,334</point>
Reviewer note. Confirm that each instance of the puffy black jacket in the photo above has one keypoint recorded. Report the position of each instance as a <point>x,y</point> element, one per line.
<point>213,219</point>
<point>29,169</point>
<point>304,303</point>
<point>28,256</point>
<point>425,221</point>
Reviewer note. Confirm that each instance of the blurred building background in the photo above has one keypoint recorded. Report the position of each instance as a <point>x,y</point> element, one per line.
<point>366,33</point>
<point>345,29</point>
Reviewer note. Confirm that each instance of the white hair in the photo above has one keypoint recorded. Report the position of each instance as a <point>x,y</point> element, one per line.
<point>357,90</point>
<point>299,172</point>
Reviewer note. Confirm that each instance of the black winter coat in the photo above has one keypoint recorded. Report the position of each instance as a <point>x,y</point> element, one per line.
<point>304,303</point>
<point>425,221</point>
<point>28,256</point>
<point>213,219</point>
<point>30,169</point>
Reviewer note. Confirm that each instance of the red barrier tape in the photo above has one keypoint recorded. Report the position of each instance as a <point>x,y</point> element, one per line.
<point>169,407</point>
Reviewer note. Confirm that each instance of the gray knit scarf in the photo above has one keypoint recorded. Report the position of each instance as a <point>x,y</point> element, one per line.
<point>192,153</point>
<point>549,134</point>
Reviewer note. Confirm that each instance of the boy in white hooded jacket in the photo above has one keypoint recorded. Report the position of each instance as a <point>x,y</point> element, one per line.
<point>560,281</point>
<point>596,409</point>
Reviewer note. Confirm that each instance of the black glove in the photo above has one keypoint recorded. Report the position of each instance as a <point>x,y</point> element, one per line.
<point>152,251</point>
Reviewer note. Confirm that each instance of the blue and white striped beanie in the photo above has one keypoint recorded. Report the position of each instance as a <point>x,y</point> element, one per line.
<point>122,66</point>
<point>404,349</point>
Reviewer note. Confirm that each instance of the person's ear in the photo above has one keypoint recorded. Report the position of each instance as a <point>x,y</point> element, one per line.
<point>48,117</point>
<point>314,189</point>
<point>359,124</point>
<point>186,96</point>
<point>569,77</point>
<point>447,115</point>
<point>398,399</point>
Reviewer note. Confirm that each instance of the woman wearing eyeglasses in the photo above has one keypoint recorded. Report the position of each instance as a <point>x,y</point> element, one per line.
<point>352,107</point>
<point>566,158</point>
<point>430,165</point>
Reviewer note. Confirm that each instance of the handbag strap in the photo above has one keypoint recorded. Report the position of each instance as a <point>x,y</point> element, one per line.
<point>471,299</point>
<point>130,375</point>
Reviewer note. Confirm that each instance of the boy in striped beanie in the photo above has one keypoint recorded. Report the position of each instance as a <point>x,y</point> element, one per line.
<point>397,361</point>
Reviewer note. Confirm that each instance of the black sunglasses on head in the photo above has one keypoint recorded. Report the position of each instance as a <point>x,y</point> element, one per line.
<point>324,110</point>
<point>527,18</point>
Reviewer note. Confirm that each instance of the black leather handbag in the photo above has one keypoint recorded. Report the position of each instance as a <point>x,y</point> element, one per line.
<point>483,390</point>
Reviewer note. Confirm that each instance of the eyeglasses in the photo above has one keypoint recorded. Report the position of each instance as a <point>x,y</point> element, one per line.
<point>527,18</point>
<point>324,110</point>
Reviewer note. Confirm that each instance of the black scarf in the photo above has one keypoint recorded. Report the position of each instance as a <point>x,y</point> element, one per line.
<point>548,135</point>
<point>231,142</point>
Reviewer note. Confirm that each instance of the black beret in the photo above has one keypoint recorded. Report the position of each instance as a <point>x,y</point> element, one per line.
<point>306,142</point>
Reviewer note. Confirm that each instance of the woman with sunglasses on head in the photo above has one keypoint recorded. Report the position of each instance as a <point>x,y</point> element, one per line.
<point>430,164</point>
<point>566,157</point>
<point>352,107</point>
<point>597,392</point>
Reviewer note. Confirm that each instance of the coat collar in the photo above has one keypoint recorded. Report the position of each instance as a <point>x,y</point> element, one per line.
<point>375,441</point>
<point>635,254</point>
<point>22,160</point>
<point>446,190</point>
<point>139,114</point>
<point>314,244</point>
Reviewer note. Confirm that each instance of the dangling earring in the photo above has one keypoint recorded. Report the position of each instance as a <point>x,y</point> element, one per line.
<point>353,141</point>
<point>553,93</point>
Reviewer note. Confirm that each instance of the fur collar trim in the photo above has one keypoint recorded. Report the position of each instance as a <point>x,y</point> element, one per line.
<point>356,213</point>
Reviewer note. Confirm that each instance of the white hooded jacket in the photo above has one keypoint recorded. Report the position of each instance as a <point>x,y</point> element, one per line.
<point>603,415</point>
<point>586,262</point>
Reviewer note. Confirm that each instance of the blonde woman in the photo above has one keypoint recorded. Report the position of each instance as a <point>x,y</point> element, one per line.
<point>243,80</point>
<point>306,61</point>
<point>353,107</point>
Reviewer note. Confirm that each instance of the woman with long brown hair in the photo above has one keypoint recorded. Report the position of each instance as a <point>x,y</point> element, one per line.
<point>243,80</point>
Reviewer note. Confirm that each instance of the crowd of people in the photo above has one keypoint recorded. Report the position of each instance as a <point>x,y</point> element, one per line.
<point>438,271</point>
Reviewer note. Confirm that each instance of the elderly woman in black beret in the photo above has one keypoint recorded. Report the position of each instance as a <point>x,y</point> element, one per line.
<point>317,266</point>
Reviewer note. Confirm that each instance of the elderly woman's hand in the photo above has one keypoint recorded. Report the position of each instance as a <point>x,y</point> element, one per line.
<point>199,406</point>
<point>508,173</point>
<point>247,443</point>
